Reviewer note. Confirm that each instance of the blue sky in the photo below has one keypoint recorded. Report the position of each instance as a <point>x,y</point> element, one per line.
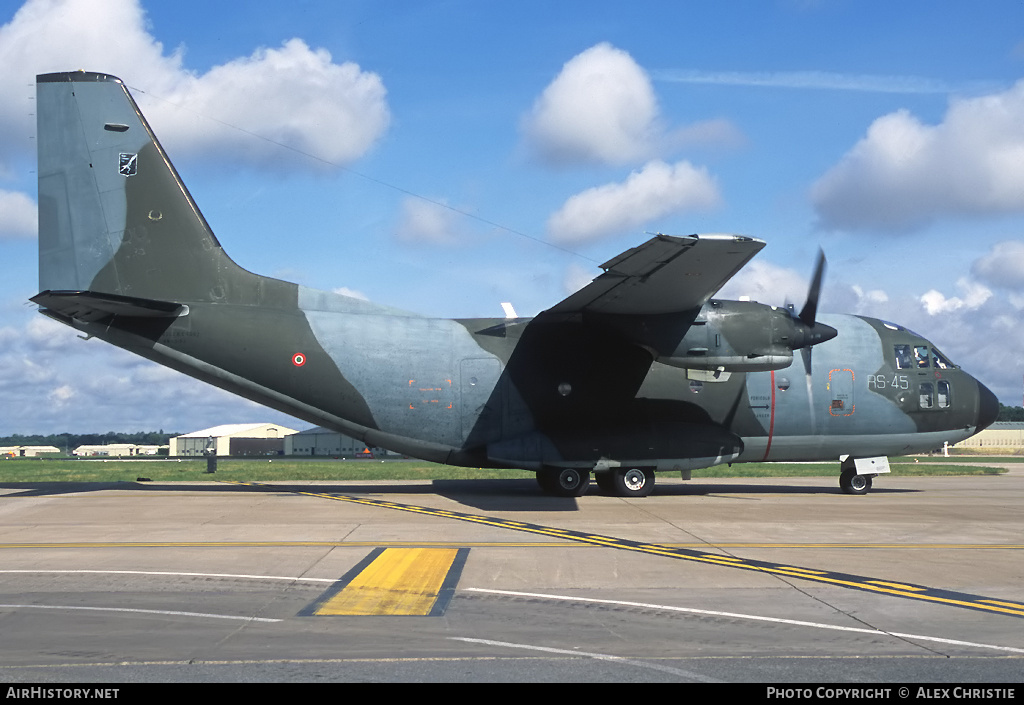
<point>444,157</point>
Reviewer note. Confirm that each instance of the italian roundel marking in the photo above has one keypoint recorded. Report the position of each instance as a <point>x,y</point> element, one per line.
<point>298,359</point>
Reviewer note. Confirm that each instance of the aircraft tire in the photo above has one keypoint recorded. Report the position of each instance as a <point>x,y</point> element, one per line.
<point>852,483</point>
<point>606,481</point>
<point>563,482</point>
<point>632,482</point>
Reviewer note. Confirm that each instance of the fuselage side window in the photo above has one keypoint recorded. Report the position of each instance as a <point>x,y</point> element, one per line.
<point>926,394</point>
<point>921,356</point>
<point>903,359</point>
<point>944,397</point>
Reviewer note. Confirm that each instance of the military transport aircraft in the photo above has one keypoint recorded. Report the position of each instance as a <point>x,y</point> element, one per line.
<point>641,371</point>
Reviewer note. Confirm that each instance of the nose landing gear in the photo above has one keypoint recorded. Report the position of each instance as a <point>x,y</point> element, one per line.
<point>852,483</point>
<point>856,473</point>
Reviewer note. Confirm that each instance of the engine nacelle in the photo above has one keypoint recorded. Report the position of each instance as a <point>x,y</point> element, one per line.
<point>744,336</point>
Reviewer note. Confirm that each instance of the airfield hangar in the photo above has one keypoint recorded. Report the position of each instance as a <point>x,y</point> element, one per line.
<point>233,440</point>
<point>325,442</point>
<point>1002,437</point>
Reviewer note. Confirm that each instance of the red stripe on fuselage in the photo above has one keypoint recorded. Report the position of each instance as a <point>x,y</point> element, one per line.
<point>771,420</point>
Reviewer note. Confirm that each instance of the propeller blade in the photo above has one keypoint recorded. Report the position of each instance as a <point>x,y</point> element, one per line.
<point>805,353</point>
<point>806,330</point>
<point>810,309</point>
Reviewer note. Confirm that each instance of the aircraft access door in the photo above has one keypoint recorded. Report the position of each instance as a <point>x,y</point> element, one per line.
<point>840,391</point>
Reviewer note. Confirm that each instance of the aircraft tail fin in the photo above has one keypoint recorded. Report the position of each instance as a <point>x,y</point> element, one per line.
<point>114,216</point>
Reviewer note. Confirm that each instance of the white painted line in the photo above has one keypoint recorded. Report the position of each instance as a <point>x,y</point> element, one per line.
<point>735,615</point>
<point>138,611</point>
<point>162,573</point>
<point>603,657</point>
<point>173,573</point>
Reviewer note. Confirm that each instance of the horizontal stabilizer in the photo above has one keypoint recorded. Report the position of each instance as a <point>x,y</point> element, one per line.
<point>90,306</point>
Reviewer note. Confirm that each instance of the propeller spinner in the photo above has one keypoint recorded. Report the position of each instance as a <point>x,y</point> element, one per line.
<point>807,331</point>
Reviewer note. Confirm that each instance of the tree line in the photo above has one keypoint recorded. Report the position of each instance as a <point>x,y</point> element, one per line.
<point>69,441</point>
<point>1010,413</point>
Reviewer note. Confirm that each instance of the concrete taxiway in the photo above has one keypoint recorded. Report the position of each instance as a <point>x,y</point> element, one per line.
<point>774,580</point>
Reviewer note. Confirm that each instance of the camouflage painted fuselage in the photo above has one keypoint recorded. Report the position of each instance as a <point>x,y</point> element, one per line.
<point>609,376</point>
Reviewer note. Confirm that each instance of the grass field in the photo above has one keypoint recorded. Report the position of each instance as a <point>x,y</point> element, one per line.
<point>61,470</point>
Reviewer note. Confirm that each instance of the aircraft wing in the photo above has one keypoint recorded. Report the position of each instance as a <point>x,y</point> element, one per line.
<point>579,365</point>
<point>666,274</point>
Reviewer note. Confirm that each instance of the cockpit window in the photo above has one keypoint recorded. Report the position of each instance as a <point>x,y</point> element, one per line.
<point>921,356</point>
<point>909,357</point>
<point>939,360</point>
<point>904,361</point>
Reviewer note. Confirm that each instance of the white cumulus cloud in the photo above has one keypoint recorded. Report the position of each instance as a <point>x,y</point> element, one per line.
<point>656,191</point>
<point>61,396</point>
<point>973,296</point>
<point>1003,266</point>
<point>17,215</point>
<point>291,94</point>
<point>602,109</point>
<point>904,173</point>
<point>872,297</point>
<point>767,283</point>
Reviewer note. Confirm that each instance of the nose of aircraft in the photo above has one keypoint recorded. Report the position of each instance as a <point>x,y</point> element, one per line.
<point>988,407</point>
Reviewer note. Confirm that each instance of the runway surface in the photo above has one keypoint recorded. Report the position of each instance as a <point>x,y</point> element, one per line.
<point>775,580</point>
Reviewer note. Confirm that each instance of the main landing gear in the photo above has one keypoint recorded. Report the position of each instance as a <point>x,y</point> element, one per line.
<point>572,482</point>
<point>626,482</point>
<point>563,482</point>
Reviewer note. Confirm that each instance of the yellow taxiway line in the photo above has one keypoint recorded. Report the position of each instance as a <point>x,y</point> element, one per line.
<point>858,582</point>
<point>395,581</point>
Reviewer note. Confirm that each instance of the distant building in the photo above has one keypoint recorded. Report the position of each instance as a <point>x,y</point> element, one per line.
<point>116,450</point>
<point>27,451</point>
<point>325,442</point>
<point>245,439</point>
<point>1002,437</point>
